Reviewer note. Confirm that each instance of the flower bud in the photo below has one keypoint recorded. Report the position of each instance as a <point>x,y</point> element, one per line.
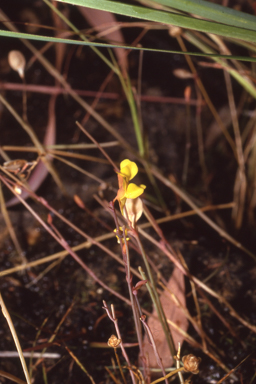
<point>191,363</point>
<point>134,210</point>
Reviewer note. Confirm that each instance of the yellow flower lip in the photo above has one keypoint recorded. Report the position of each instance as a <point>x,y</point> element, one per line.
<point>134,191</point>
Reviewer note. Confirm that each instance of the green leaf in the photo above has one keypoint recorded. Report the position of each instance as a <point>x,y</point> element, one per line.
<point>212,11</point>
<point>167,18</point>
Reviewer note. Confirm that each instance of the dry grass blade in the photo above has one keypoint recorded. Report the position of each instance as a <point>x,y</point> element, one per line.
<point>52,70</point>
<point>11,377</point>
<point>211,223</point>
<point>11,230</point>
<point>15,338</point>
<point>233,370</point>
<point>44,166</point>
<point>80,365</point>
<point>88,244</point>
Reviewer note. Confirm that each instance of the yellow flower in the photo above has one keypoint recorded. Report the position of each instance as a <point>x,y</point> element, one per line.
<point>121,232</point>
<point>128,169</point>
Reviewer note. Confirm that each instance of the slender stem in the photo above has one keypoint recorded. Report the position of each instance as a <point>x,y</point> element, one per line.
<point>125,82</point>
<point>98,145</point>
<point>126,259</point>
<point>152,342</point>
<point>52,70</point>
<point>168,375</point>
<point>200,213</point>
<point>115,321</point>
<point>155,298</point>
<point>205,94</point>
<point>10,228</point>
<point>119,366</point>
<point>15,339</point>
<point>187,145</point>
<point>178,365</point>
<point>62,241</point>
<point>9,376</point>
<point>125,249</point>
<point>24,101</point>
<point>80,365</point>
<point>162,318</point>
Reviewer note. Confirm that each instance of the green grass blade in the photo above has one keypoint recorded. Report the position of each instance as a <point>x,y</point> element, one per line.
<point>213,12</point>
<point>167,18</point>
<point>27,36</point>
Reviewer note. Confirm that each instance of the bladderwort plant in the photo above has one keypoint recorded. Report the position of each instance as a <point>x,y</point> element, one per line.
<point>131,208</point>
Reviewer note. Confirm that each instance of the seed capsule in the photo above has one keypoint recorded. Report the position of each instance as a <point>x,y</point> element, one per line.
<point>191,363</point>
<point>17,62</point>
<point>113,341</point>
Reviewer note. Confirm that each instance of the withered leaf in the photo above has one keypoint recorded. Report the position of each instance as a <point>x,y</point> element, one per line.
<point>176,285</point>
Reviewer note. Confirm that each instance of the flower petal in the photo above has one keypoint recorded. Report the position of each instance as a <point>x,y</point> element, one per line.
<point>128,169</point>
<point>134,191</point>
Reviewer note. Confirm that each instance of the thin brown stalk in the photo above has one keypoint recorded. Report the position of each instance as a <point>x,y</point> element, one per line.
<point>126,259</point>
<point>11,377</point>
<point>195,344</point>
<point>97,144</point>
<point>198,327</point>
<point>126,256</point>
<point>240,182</point>
<point>52,70</point>
<point>81,170</point>
<point>234,369</point>
<point>154,296</point>
<point>10,228</point>
<point>187,143</point>
<point>168,375</point>
<point>199,283</point>
<point>29,130</point>
<point>64,244</point>
<point>119,366</point>
<point>205,95</point>
<point>115,380</point>
<point>54,90</point>
<point>178,365</point>
<point>101,238</point>
<point>154,346</point>
<point>80,365</point>
<point>211,223</point>
<point>198,322</point>
<point>200,141</point>
<point>113,318</point>
<point>15,339</point>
